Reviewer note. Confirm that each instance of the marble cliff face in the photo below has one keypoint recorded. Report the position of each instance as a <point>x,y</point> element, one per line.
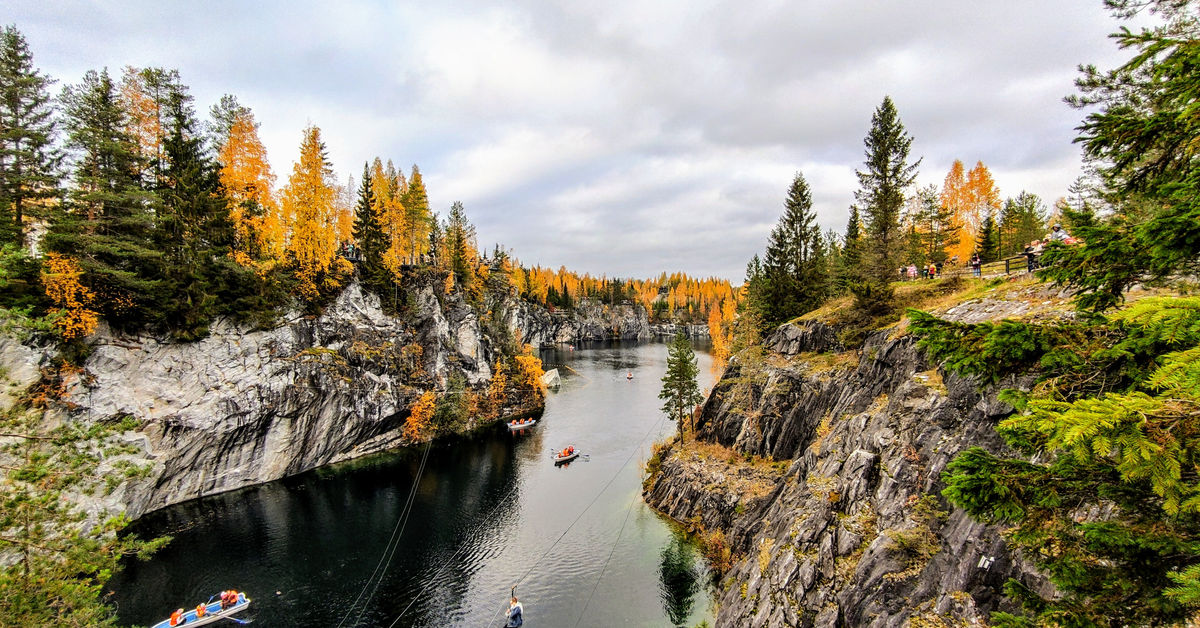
<point>842,523</point>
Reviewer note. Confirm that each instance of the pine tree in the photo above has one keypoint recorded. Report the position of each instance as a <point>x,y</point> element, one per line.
<point>850,267</point>
<point>680,392</point>
<point>368,232</point>
<point>29,159</point>
<point>1022,220</point>
<point>60,567</point>
<point>793,265</point>
<point>460,247</point>
<point>934,226</point>
<point>988,244</point>
<point>882,190</point>
<point>107,224</point>
<point>222,117</point>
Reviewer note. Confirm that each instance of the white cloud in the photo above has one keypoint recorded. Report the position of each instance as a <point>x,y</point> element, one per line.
<point>626,137</point>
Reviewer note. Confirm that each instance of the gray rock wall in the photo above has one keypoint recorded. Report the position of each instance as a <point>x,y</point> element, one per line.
<point>540,327</point>
<point>244,407</point>
<point>851,530</point>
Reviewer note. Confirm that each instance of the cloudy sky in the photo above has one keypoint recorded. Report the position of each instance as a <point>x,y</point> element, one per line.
<point>624,137</point>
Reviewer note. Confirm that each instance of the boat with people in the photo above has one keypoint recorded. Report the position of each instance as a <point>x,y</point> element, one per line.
<point>521,424</point>
<point>566,454</point>
<point>209,612</point>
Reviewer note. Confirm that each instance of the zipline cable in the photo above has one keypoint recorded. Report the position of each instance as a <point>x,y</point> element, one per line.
<point>616,542</point>
<point>450,561</point>
<point>633,453</point>
<point>397,532</point>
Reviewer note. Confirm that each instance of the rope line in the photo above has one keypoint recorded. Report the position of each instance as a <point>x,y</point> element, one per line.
<point>600,576</point>
<point>585,509</point>
<point>450,561</point>
<point>604,567</point>
<point>397,532</point>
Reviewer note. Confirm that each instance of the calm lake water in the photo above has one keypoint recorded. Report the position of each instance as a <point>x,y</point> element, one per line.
<point>488,513</point>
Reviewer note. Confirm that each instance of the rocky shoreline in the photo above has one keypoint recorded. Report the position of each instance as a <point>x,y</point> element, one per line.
<point>847,526</point>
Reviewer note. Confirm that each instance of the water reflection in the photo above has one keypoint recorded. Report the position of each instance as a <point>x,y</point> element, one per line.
<point>491,511</point>
<point>678,580</point>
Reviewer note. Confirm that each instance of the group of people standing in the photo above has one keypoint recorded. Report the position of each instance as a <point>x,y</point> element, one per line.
<point>1032,253</point>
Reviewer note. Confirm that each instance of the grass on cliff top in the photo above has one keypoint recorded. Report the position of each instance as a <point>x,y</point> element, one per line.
<point>751,476</point>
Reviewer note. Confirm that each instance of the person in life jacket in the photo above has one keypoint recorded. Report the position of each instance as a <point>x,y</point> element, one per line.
<point>177,618</point>
<point>201,609</point>
<point>515,612</point>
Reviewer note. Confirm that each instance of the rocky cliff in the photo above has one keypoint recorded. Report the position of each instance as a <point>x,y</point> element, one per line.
<point>821,468</point>
<point>243,407</point>
<point>587,322</point>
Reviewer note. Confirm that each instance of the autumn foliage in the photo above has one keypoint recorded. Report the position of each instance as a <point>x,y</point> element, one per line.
<point>420,417</point>
<point>308,204</point>
<point>72,314</point>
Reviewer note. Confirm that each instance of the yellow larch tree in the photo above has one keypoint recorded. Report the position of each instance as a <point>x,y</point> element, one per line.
<point>308,202</point>
<point>247,183</point>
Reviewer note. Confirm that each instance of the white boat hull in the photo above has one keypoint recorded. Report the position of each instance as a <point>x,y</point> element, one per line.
<point>212,615</point>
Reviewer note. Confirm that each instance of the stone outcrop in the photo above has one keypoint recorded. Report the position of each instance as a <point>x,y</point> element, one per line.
<point>243,407</point>
<point>670,330</point>
<point>587,322</point>
<point>851,529</point>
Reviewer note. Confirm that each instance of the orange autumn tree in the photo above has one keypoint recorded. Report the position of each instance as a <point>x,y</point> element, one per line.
<point>420,417</point>
<point>528,378</point>
<point>720,330</point>
<point>247,182</point>
<point>72,315</point>
<point>308,204</point>
<point>970,196</point>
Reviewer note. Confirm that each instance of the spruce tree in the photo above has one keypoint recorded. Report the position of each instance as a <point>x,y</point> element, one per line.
<point>193,226</point>
<point>935,229</point>
<point>368,233</point>
<point>29,159</point>
<point>680,392</point>
<point>460,247</point>
<point>882,188</point>
<point>793,266</point>
<point>987,245</point>
<point>850,266</point>
<point>107,223</point>
<point>1022,220</point>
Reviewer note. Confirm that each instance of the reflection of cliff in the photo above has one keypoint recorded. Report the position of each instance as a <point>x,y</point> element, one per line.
<point>340,515</point>
<point>588,321</point>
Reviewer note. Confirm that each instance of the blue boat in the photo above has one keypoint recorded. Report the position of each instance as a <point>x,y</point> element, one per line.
<point>212,613</point>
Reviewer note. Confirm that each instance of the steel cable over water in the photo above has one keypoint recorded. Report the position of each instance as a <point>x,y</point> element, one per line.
<point>657,425</point>
<point>389,550</point>
<point>450,561</point>
<point>616,542</point>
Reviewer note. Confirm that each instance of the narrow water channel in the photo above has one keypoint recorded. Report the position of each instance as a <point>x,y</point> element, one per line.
<point>490,511</point>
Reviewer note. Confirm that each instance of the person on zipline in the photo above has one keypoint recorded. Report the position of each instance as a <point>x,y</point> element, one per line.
<point>514,614</point>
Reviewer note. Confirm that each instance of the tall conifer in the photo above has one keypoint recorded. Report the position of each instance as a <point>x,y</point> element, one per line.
<point>107,223</point>
<point>29,159</point>
<point>882,188</point>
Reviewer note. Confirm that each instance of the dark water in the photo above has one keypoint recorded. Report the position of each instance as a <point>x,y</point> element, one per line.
<point>488,513</point>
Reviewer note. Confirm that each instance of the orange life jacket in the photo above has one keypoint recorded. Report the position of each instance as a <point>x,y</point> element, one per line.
<point>201,610</point>
<point>177,617</point>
